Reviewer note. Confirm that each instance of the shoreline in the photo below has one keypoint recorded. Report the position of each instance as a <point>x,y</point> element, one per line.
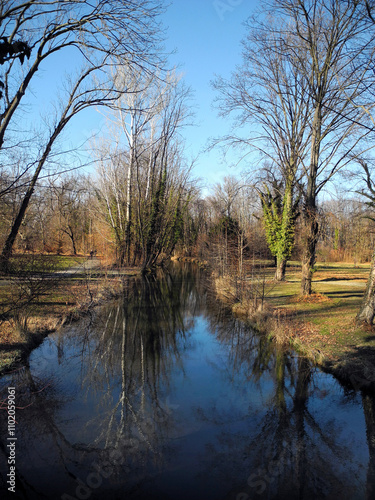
<point>341,349</point>
<point>321,327</point>
<point>354,367</point>
<point>106,285</point>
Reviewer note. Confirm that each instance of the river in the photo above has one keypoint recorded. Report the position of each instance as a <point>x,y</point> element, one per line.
<point>163,394</point>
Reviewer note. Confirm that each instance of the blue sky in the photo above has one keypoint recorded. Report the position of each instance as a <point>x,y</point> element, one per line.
<point>206,36</point>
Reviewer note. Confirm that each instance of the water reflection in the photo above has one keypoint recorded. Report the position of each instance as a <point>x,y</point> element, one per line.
<point>165,395</point>
<point>297,450</point>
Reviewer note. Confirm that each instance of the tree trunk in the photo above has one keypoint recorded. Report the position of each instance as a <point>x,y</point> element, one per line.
<point>367,311</point>
<point>300,405</point>
<point>70,233</point>
<point>122,254</point>
<point>131,139</point>
<point>8,247</point>
<point>74,245</point>
<point>309,257</point>
<point>310,212</point>
<point>128,238</point>
<point>280,269</point>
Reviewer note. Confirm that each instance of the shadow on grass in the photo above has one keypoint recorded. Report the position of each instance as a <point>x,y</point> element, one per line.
<point>11,347</point>
<point>343,294</point>
<point>331,295</point>
<point>343,278</point>
<point>277,297</point>
<point>317,311</point>
<point>56,303</point>
<point>356,368</point>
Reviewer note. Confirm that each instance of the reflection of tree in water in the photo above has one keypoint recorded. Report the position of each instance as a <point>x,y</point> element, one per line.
<point>139,341</point>
<point>248,354</point>
<point>38,402</point>
<point>282,452</point>
<point>127,355</point>
<point>368,403</point>
<point>124,361</point>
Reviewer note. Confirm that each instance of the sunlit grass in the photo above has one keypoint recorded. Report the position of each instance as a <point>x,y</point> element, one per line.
<point>64,296</point>
<point>325,323</point>
<point>46,263</point>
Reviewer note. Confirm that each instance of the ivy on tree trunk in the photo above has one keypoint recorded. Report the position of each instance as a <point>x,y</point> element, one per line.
<point>280,212</point>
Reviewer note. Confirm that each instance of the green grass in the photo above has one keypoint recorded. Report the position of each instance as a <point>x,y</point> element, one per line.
<point>63,262</point>
<point>45,263</point>
<point>326,322</point>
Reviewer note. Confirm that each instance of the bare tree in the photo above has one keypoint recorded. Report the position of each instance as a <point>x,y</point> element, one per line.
<point>136,115</point>
<point>269,93</point>
<point>366,313</point>
<point>144,182</point>
<point>85,92</point>
<point>109,28</point>
<point>329,40</point>
<point>225,194</point>
<point>297,85</point>
<point>105,35</point>
<point>167,194</point>
<point>70,203</point>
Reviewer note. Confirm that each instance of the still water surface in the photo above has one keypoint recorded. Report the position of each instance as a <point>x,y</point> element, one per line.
<point>164,395</point>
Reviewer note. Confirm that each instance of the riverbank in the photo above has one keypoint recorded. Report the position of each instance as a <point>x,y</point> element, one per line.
<point>321,327</point>
<point>61,296</point>
<point>192,260</point>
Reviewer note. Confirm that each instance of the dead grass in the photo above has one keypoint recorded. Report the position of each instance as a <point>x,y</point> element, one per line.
<point>68,300</point>
<point>322,326</point>
<point>314,298</point>
<point>226,288</point>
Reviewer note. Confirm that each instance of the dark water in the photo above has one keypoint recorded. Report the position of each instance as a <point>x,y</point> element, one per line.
<point>164,395</point>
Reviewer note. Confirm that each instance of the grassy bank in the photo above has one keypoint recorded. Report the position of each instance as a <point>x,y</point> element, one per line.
<point>35,304</point>
<point>322,327</point>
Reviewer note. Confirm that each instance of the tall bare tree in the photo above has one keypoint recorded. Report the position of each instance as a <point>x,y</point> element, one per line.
<point>366,313</point>
<point>70,202</point>
<point>329,40</point>
<point>110,28</point>
<point>296,87</point>
<point>144,182</point>
<point>105,35</point>
<point>269,95</point>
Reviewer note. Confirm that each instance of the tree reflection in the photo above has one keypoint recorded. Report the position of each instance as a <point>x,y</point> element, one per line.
<point>285,450</point>
<point>140,343</point>
<point>97,420</point>
<point>39,401</point>
<point>368,403</point>
<point>125,358</point>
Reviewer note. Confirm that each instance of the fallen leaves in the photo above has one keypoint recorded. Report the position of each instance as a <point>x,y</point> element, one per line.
<point>314,298</point>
